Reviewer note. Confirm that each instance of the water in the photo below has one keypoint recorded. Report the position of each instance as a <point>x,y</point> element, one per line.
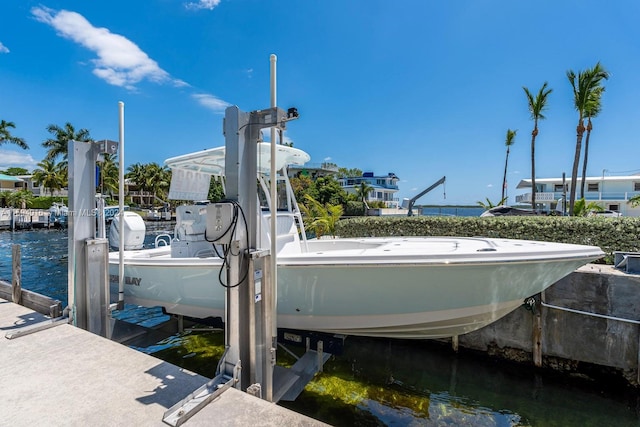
<point>375,382</point>
<point>452,211</point>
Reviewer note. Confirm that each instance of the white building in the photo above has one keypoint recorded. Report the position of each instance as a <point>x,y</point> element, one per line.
<point>610,192</point>
<point>384,187</point>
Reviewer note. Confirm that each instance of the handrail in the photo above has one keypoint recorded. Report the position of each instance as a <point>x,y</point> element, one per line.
<point>586,313</point>
<point>164,238</point>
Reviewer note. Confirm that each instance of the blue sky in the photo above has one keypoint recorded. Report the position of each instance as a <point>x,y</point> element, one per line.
<point>421,88</point>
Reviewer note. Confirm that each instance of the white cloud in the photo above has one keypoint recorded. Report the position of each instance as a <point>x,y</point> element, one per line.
<point>119,62</point>
<point>16,159</point>
<point>489,185</point>
<point>327,159</point>
<point>3,48</point>
<point>211,102</point>
<point>203,4</point>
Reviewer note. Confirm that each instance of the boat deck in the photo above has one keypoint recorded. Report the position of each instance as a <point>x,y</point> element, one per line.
<point>66,374</point>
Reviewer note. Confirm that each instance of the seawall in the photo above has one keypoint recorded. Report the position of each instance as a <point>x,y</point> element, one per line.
<point>554,334</point>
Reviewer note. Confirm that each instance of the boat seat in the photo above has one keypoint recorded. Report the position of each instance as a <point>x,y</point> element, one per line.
<point>191,231</point>
<point>191,223</point>
<point>285,225</point>
<point>286,230</point>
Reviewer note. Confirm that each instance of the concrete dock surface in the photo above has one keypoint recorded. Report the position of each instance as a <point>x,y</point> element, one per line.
<point>66,375</point>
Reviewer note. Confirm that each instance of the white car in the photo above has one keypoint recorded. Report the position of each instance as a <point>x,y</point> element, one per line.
<point>606,214</point>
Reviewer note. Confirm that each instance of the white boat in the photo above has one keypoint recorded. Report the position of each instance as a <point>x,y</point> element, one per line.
<point>398,287</point>
<point>59,214</point>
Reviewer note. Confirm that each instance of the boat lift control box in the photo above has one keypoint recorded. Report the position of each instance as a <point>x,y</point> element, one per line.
<point>221,218</point>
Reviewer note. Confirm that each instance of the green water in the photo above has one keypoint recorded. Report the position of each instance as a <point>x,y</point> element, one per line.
<point>379,382</point>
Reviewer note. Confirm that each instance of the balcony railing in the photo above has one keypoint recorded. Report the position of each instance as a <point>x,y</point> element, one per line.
<point>589,196</point>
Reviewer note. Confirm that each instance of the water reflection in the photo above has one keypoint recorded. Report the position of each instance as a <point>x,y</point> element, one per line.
<point>424,383</point>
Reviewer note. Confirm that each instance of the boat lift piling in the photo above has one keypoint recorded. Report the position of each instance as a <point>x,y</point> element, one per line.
<point>88,256</point>
<point>249,359</point>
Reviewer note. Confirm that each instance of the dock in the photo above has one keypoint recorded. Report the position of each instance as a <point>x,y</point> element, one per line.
<point>20,219</point>
<point>65,374</point>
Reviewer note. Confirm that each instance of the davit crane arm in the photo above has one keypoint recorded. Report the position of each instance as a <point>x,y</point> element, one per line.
<point>414,199</point>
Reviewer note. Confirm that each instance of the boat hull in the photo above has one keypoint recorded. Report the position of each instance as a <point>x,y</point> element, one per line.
<point>418,297</point>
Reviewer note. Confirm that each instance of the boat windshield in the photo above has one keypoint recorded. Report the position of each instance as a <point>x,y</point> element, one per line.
<point>283,202</point>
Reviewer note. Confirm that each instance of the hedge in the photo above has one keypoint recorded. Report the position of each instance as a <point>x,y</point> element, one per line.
<point>610,234</point>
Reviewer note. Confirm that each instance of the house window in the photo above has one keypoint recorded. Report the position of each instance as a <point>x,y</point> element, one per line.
<point>558,187</point>
<point>614,208</point>
<point>593,187</point>
<point>636,186</point>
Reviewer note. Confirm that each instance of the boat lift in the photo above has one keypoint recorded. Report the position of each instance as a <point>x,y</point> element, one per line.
<point>413,200</point>
<point>251,337</point>
<point>249,361</point>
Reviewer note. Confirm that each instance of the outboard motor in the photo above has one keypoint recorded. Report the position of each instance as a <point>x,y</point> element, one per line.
<point>134,231</point>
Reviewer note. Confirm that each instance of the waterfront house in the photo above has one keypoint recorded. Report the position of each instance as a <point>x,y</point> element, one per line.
<point>39,190</point>
<point>384,187</point>
<point>610,192</point>
<point>26,182</point>
<point>11,183</point>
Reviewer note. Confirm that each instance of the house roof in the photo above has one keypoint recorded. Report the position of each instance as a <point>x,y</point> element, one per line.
<point>4,177</point>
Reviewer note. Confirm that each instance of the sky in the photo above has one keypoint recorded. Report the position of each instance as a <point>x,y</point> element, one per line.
<point>420,88</point>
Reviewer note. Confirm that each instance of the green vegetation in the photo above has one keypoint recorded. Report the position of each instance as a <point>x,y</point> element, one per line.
<point>7,138</point>
<point>152,178</point>
<point>490,204</point>
<point>320,219</point>
<point>50,175</point>
<point>582,208</point>
<point>17,199</point>
<point>15,171</point>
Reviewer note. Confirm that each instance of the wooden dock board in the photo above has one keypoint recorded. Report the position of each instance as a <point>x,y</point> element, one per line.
<point>68,375</point>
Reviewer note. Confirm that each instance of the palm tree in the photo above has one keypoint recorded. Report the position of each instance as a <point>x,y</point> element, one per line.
<point>157,179</point>
<point>511,138</point>
<point>319,218</point>
<point>135,173</point>
<point>490,204</point>
<point>583,86</point>
<point>58,146</point>
<point>582,208</point>
<point>6,195</point>
<point>362,193</point>
<point>537,105</point>
<point>6,137</point>
<point>109,176</point>
<point>21,199</point>
<point>49,175</point>
<point>593,108</point>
